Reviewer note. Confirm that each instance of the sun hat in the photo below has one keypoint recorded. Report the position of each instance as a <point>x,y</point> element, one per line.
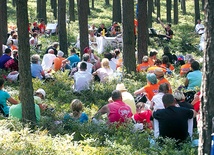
<point>151,77</point>
<point>60,53</point>
<point>121,87</point>
<point>40,90</point>
<point>159,72</point>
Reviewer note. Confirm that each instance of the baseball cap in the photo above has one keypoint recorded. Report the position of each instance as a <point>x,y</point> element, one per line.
<point>40,90</point>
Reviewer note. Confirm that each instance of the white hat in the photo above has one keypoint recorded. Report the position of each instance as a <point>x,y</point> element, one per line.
<point>40,90</point>
<point>121,87</point>
<point>60,53</point>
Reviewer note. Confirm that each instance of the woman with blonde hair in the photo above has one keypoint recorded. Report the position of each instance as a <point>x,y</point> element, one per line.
<point>76,107</point>
<point>105,71</point>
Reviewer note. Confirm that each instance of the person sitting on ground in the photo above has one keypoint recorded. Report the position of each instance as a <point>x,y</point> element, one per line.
<point>76,107</point>
<point>72,60</point>
<point>114,29</point>
<point>34,41</point>
<point>16,112</point>
<point>187,66</point>
<point>42,26</point>
<point>5,57</point>
<point>172,58</point>
<point>4,97</point>
<point>48,59</point>
<point>194,78</point>
<point>93,58</point>
<point>58,61</point>
<point>112,64</point>
<point>156,65</point>
<point>199,28</point>
<point>173,121</point>
<point>86,59</point>
<point>152,57</point>
<point>12,46</point>
<point>102,30</point>
<point>54,46</point>
<point>35,28</point>
<point>166,64</point>
<point>92,38</point>
<point>169,32</point>
<point>36,68</point>
<point>144,65</point>
<point>38,97</point>
<point>13,76</point>
<point>12,64</point>
<point>143,115</point>
<point>117,111</point>
<point>104,72</point>
<point>10,36</point>
<point>82,79</point>
<point>151,88</point>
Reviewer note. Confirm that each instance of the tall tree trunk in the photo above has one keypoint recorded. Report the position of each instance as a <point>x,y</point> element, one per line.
<point>150,9</point>
<point>183,6</point>
<point>168,11</point>
<point>54,7</point>
<point>142,30</point>
<point>62,26</point>
<point>41,10</point>
<point>83,24</point>
<point>202,5</point>
<point>89,10</point>
<point>14,3</point>
<point>207,108</point>
<point>92,4</point>
<point>197,10</point>
<point>158,8</point>
<point>117,11</point>
<point>1,31</point>
<point>128,36</point>
<point>4,21</point>
<point>71,10</point>
<point>107,2</point>
<point>26,87</point>
<point>175,11</point>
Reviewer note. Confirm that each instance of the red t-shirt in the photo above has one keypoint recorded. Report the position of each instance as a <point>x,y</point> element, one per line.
<point>144,117</point>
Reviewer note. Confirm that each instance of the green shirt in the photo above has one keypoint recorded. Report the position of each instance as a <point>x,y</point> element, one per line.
<point>16,111</point>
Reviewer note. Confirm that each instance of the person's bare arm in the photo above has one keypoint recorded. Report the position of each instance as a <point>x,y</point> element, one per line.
<point>186,82</point>
<point>13,101</point>
<point>102,111</point>
<point>162,24</point>
<point>139,91</point>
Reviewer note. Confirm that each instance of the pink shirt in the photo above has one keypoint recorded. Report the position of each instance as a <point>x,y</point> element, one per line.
<point>118,111</point>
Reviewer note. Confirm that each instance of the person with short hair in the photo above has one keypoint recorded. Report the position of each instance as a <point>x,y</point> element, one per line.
<point>199,27</point>
<point>5,57</point>
<point>86,59</point>
<point>102,30</point>
<point>42,26</point>
<point>173,121</point>
<point>48,59</point>
<point>57,62</point>
<point>73,59</point>
<point>169,32</point>
<point>117,111</point>
<point>77,114</point>
<point>54,46</point>
<point>35,28</point>
<point>36,68</point>
<point>166,64</point>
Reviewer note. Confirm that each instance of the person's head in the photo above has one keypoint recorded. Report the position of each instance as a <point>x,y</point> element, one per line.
<point>15,53</point>
<point>188,57</point>
<point>35,58</point>
<point>35,24</point>
<point>105,63</point>
<point>55,45</point>
<point>76,107</point>
<point>164,88</point>
<point>168,27</point>
<point>42,21</point>
<point>83,66</point>
<point>159,73</point>
<point>12,32</point>
<point>91,31</point>
<point>108,56</point>
<point>87,50</point>
<point>60,53</point>
<point>102,25</point>
<point>158,62</point>
<point>168,100</point>
<point>153,54</point>
<point>51,51</point>
<point>15,36</point>
<point>199,21</point>
<point>41,93</point>
<point>140,106</point>
<point>151,78</point>
<point>73,51</point>
<point>165,59</point>
<point>1,83</point>
<point>116,95</point>
<point>121,87</point>
<point>117,52</point>
<point>8,51</point>
<point>35,34</point>
<point>114,24</point>
<point>166,50</point>
<point>145,58</point>
<point>178,95</point>
<point>195,65</point>
<point>86,57</point>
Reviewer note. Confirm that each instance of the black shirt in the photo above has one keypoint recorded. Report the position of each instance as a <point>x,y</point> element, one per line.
<point>168,33</point>
<point>173,122</point>
<point>35,29</point>
<point>100,30</point>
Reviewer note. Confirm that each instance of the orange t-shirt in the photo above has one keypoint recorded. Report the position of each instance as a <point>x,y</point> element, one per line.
<point>171,67</point>
<point>142,67</point>
<point>185,69</point>
<point>58,63</point>
<point>151,90</point>
<point>152,69</point>
<point>151,62</point>
<point>163,80</point>
<point>42,28</point>
<point>119,62</point>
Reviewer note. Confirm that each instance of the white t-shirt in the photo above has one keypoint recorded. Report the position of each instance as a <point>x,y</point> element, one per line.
<point>47,61</point>
<point>199,26</point>
<point>82,80</point>
<point>89,66</point>
<point>104,74</point>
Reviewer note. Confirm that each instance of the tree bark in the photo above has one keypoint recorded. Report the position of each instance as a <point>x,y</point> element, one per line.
<point>107,2</point>
<point>168,11</point>
<point>150,9</point>
<point>71,10</point>
<point>128,36</point>
<point>14,3</point>
<point>183,6</point>
<point>41,10</point>
<point>4,21</point>
<point>1,31</point>
<point>158,8</point>
<point>202,5</point>
<point>62,26</point>
<point>175,11</point>
<point>207,108</point>
<point>83,24</point>
<point>142,30</point>
<point>54,7</point>
<point>116,11</point>
<point>26,88</point>
<point>197,10</point>
<point>92,4</point>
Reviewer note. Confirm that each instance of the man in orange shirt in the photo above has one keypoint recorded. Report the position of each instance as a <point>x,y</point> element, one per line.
<point>144,65</point>
<point>58,61</point>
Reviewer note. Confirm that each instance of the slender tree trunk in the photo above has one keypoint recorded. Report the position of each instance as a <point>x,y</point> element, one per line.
<point>26,87</point>
<point>62,26</point>
<point>197,10</point>
<point>54,7</point>
<point>4,21</point>
<point>83,24</point>
<point>142,30</point>
<point>183,6</point>
<point>89,10</point>
<point>41,10</point>
<point>202,5</point>
<point>150,9</point>
<point>168,11</point>
<point>92,4</point>
<point>71,10</point>
<point>175,11</point>
<point>117,11</point>
<point>1,31</point>
<point>107,2</point>
<point>158,8</point>
<point>207,108</point>
<point>128,36</point>
<point>14,3</point>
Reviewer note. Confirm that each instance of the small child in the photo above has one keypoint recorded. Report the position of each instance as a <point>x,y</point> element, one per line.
<point>76,107</point>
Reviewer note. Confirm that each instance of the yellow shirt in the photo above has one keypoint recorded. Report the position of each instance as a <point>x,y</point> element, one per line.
<point>129,100</point>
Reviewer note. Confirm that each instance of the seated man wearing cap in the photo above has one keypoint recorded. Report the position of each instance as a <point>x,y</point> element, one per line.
<point>144,65</point>
<point>58,61</point>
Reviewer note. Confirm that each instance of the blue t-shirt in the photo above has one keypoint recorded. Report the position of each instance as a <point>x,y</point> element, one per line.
<point>3,59</point>
<point>73,58</point>
<point>4,96</point>
<point>194,79</point>
<point>36,70</point>
<point>83,118</point>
